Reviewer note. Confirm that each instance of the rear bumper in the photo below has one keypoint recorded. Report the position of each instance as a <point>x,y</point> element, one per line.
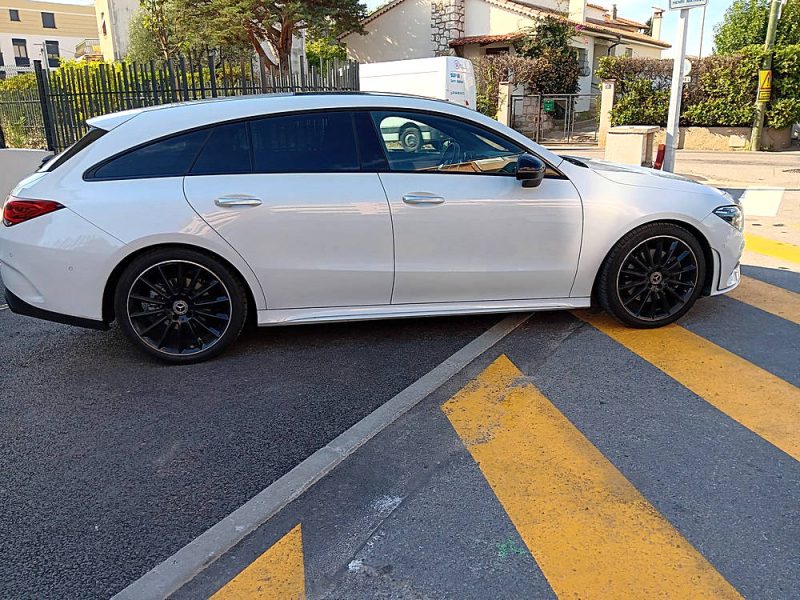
<point>21,307</point>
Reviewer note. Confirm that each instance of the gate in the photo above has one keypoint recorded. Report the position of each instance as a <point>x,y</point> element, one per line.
<point>555,119</point>
<point>71,95</point>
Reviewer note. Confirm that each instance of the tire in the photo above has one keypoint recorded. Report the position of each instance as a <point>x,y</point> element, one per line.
<point>411,137</point>
<point>179,305</point>
<point>652,276</point>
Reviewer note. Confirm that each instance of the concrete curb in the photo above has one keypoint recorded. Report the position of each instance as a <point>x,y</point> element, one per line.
<point>169,576</point>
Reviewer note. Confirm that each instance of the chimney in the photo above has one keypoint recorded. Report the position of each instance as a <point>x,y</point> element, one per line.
<point>658,18</point>
<point>577,10</point>
<point>613,12</point>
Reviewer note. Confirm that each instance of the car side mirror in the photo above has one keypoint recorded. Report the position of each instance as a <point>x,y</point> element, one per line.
<point>530,170</point>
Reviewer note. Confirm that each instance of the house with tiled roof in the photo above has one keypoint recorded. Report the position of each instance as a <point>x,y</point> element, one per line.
<point>405,29</point>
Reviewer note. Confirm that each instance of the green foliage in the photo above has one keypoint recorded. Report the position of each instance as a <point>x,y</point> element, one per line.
<point>23,81</point>
<point>249,23</point>
<point>722,91</point>
<point>745,24</point>
<point>643,103</point>
<point>142,45</point>
<point>322,50</point>
<point>539,76</point>
<point>557,68</point>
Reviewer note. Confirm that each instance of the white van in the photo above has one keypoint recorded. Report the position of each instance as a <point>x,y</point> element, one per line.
<point>443,77</point>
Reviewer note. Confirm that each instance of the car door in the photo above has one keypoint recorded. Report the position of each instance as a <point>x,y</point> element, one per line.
<point>464,228</point>
<point>287,192</point>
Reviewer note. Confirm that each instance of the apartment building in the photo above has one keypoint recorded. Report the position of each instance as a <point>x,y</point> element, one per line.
<point>47,31</point>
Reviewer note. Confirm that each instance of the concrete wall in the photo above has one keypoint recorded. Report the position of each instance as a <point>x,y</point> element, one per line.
<point>15,165</point>
<point>400,33</point>
<point>487,19</point>
<point>725,139</point>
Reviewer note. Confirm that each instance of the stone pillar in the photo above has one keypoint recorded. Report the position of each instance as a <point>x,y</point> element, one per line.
<point>447,23</point>
<point>504,104</point>
<point>609,88</point>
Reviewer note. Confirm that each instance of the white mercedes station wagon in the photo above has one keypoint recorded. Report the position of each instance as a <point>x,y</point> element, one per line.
<point>181,222</point>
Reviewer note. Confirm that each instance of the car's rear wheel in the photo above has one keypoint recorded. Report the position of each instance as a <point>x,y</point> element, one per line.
<point>652,276</point>
<point>180,305</point>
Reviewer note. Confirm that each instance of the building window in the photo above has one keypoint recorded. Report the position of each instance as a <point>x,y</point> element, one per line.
<point>21,53</point>
<point>13,14</point>
<point>496,51</point>
<point>48,20</point>
<point>629,52</point>
<point>53,56</point>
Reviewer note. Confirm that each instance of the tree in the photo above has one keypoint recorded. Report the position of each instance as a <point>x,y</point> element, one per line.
<point>142,44</point>
<point>321,50</point>
<point>253,22</point>
<point>745,24</point>
<point>548,43</point>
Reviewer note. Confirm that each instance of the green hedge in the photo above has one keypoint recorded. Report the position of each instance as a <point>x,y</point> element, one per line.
<point>722,91</point>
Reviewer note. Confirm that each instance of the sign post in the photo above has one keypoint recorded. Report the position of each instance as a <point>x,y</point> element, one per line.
<point>678,72</point>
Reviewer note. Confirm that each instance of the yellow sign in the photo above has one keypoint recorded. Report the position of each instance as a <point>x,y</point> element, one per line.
<point>764,85</point>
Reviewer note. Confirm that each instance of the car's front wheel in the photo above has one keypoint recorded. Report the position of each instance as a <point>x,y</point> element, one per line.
<point>652,276</point>
<point>180,305</point>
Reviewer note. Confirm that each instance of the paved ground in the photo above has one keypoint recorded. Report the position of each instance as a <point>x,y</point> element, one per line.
<point>687,455</point>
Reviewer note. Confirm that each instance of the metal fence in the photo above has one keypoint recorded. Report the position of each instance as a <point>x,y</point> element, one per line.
<point>70,95</point>
<point>21,122</point>
<point>557,118</point>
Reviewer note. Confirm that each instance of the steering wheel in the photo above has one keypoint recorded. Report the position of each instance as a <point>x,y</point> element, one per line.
<point>450,153</point>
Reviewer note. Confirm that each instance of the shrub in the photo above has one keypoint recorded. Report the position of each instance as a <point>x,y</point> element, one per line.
<point>722,90</point>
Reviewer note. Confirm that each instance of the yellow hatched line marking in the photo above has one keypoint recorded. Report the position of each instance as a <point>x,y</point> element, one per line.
<point>278,574</point>
<point>782,250</point>
<point>770,298</point>
<point>591,532</point>
<point>762,402</point>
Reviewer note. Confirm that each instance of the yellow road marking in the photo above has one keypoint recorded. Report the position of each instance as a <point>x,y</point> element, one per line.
<point>278,574</point>
<point>762,402</point>
<point>591,532</point>
<point>762,245</point>
<point>770,298</point>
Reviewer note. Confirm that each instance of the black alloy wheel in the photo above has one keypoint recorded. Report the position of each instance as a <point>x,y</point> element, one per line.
<point>653,276</point>
<point>657,278</point>
<point>181,309</point>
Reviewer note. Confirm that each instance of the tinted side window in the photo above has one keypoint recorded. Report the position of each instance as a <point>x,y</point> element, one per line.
<point>304,143</point>
<point>226,152</point>
<point>170,157</point>
<point>423,142</point>
<point>92,135</point>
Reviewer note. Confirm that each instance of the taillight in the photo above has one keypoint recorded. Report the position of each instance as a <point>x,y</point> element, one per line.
<point>16,210</point>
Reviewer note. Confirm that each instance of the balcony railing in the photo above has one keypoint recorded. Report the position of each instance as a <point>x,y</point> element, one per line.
<point>88,47</point>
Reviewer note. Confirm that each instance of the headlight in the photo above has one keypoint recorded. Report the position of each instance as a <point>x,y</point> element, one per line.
<point>732,214</point>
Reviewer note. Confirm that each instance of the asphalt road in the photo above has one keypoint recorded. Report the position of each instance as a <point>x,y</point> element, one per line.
<point>110,462</point>
<point>425,511</point>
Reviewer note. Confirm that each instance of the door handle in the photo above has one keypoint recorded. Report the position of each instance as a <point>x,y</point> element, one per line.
<point>423,198</point>
<point>237,200</point>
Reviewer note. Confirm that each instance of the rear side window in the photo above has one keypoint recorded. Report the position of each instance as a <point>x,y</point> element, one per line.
<point>170,157</point>
<point>226,152</point>
<point>91,136</point>
<point>304,143</point>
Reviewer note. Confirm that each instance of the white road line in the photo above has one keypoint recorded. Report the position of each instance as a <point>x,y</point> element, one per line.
<point>3,306</point>
<point>169,576</point>
<point>762,202</point>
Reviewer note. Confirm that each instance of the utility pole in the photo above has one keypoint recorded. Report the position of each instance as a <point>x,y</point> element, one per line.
<point>676,95</point>
<point>763,100</point>
<point>702,31</point>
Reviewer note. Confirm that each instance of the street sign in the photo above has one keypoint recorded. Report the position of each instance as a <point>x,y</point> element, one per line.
<point>681,4</point>
<point>764,85</point>
<point>687,66</point>
<point>549,106</point>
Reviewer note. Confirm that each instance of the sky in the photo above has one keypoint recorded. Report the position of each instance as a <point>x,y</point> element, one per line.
<point>640,10</point>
